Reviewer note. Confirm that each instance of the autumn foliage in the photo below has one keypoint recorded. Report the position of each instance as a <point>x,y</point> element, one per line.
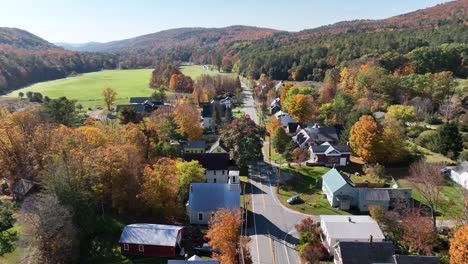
<point>459,246</point>
<point>364,138</point>
<point>224,234</point>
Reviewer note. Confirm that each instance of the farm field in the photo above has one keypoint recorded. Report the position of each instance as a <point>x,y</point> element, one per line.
<point>86,88</point>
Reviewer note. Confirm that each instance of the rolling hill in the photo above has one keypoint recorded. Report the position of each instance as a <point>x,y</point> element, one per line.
<point>18,38</point>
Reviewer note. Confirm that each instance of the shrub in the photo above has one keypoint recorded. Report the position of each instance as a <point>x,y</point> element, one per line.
<point>463,155</point>
<point>428,139</point>
<point>415,131</point>
<point>433,120</point>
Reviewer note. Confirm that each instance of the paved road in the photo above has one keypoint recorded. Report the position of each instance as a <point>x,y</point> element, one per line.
<point>273,234</point>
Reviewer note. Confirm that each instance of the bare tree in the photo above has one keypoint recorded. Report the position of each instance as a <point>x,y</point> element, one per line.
<point>423,107</point>
<point>417,233</point>
<point>428,179</point>
<point>54,233</point>
<point>449,107</point>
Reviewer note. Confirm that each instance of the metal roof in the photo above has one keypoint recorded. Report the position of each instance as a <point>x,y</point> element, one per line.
<point>334,180</point>
<point>373,194</point>
<point>365,252</point>
<point>405,259</point>
<point>351,227</point>
<point>150,234</point>
<point>213,196</point>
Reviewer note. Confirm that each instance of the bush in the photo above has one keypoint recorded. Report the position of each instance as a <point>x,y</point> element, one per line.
<point>415,131</point>
<point>433,120</point>
<point>463,155</point>
<point>428,139</point>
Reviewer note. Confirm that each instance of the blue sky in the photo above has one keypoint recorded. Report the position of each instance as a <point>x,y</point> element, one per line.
<point>78,21</point>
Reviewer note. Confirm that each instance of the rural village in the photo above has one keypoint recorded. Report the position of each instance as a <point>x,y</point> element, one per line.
<point>217,157</point>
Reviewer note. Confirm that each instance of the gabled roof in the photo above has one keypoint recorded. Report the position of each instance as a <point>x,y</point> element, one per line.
<point>351,227</point>
<point>406,259</point>
<point>208,108</point>
<point>150,234</point>
<point>327,148</point>
<point>22,186</point>
<point>365,252</point>
<point>335,181</point>
<point>210,161</point>
<point>139,108</point>
<point>322,134</point>
<point>195,144</point>
<point>218,143</point>
<point>213,196</point>
<point>461,168</point>
<point>373,194</point>
<point>292,127</point>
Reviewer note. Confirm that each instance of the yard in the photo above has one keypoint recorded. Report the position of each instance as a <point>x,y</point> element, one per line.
<point>307,182</point>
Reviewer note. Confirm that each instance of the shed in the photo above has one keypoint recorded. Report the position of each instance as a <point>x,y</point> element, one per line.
<point>22,188</point>
<point>151,240</point>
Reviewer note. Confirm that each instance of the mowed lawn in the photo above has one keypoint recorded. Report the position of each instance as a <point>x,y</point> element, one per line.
<point>86,88</point>
<point>194,71</point>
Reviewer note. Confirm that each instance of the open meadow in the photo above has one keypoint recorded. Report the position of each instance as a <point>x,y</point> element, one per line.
<point>86,88</point>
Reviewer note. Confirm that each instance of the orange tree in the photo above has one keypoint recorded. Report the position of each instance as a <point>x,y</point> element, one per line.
<point>224,234</point>
<point>459,246</point>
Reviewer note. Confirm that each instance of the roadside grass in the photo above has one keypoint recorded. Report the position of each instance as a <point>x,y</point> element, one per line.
<point>272,154</point>
<point>86,88</point>
<point>452,196</point>
<point>307,181</point>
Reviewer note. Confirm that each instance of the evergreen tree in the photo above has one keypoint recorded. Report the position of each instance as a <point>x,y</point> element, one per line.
<point>450,140</point>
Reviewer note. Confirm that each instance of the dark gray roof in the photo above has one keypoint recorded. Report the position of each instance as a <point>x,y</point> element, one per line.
<point>139,108</point>
<point>292,127</point>
<point>213,196</point>
<point>373,194</point>
<point>403,259</point>
<point>323,148</point>
<point>399,193</point>
<point>138,100</point>
<point>218,143</point>
<point>22,186</point>
<point>195,144</point>
<point>322,134</point>
<point>210,161</point>
<point>365,252</point>
<point>461,168</point>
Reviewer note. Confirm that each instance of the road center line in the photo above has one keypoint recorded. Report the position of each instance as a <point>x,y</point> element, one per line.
<point>255,223</point>
<point>271,248</point>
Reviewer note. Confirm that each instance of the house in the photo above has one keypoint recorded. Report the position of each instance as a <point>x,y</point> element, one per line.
<point>275,106</point>
<point>197,146</point>
<point>217,165</point>
<point>151,240</point>
<point>342,193</point>
<point>194,260</point>
<point>278,85</point>
<point>330,155</point>
<point>339,190</point>
<point>350,252</point>
<point>316,135</point>
<point>207,198</point>
<point>284,118</point>
<point>459,174</point>
<point>293,128</point>
<point>226,101</point>
<point>218,147</point>
<point>140,105</point>
<point>234,176</point>
<point>208,108</point>
<point>22,188</point>
<point>355,228</point>
<point>138,108</point>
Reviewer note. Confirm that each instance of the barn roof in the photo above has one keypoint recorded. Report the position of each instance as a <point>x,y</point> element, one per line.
<point>195,144</point>
<point>373,194</point>
<point>150,234</point>
<point>334,180</point>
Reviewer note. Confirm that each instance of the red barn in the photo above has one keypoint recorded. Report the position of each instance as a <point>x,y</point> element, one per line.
<point>330,155</point>
<point>151,240</point>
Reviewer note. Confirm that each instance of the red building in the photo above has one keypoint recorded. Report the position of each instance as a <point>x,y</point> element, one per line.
<point>330,155</point>
<point>151,240</point>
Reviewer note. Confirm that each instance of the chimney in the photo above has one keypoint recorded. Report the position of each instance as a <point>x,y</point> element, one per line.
<point>370,239</point>
<point>349,219</point>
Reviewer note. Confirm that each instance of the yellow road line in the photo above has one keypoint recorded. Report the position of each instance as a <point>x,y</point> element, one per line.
<point>271,248</point>
<point>263,201</point>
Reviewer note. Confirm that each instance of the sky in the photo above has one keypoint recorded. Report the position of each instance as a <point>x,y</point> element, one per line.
<point>79,21</point>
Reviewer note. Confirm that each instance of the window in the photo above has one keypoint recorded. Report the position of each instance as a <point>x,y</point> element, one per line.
<point>126,247</point>
<point>214,172</point>
<point>200,216</point>
<point>214,180</point>
<point>141,248</point>
<point>233,179</point>
<point>222,172</point>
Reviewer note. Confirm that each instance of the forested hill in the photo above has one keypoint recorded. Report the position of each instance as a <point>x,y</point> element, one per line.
<point>26,58</point>
<point>180,37</point>
<point>18,38</point>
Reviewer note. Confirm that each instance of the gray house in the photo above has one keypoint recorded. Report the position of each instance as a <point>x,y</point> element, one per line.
<point>338,190</point>
<point>207,198</point>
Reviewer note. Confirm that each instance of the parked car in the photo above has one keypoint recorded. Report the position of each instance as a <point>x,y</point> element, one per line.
<point>293,199</point>
<point>206,250</point>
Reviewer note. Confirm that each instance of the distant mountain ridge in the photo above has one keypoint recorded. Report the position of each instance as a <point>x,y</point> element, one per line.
<point>18,38</point>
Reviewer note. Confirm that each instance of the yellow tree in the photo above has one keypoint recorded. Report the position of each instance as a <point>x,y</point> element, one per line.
<point>404,113</point>
<point>364,138</point>
<point>273,124</point>
<point>300,107</point>
<point>224,234</point>
<point>159,188</point>
<point>187,118</point>
<point>392,142</point>
<point>459,246</point>
<point>109,95</point>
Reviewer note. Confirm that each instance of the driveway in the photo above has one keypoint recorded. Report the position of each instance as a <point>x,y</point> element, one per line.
<point>273,236</point>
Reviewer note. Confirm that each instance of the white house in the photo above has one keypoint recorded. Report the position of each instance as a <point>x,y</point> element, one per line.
<point>207,198</point>
<point>216,165</point>
<point>353,228</point>
<point>459,174</point>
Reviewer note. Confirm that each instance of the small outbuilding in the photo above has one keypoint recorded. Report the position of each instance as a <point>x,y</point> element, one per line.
<point>151,240</point>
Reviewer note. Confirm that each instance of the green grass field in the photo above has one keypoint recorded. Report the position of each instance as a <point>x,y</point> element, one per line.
<point>86,88</point>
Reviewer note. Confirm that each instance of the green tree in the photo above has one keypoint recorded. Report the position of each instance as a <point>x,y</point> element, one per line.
<point>188,172</point>
<point>215,117</point>
<point>159,95</point>
<point>280,139</point>
<point>21,95</point>
<point>129,115</point>
<point>7,238</point>
<point>245,139</point>
<point>62,111</point>
<point>450,140</point>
